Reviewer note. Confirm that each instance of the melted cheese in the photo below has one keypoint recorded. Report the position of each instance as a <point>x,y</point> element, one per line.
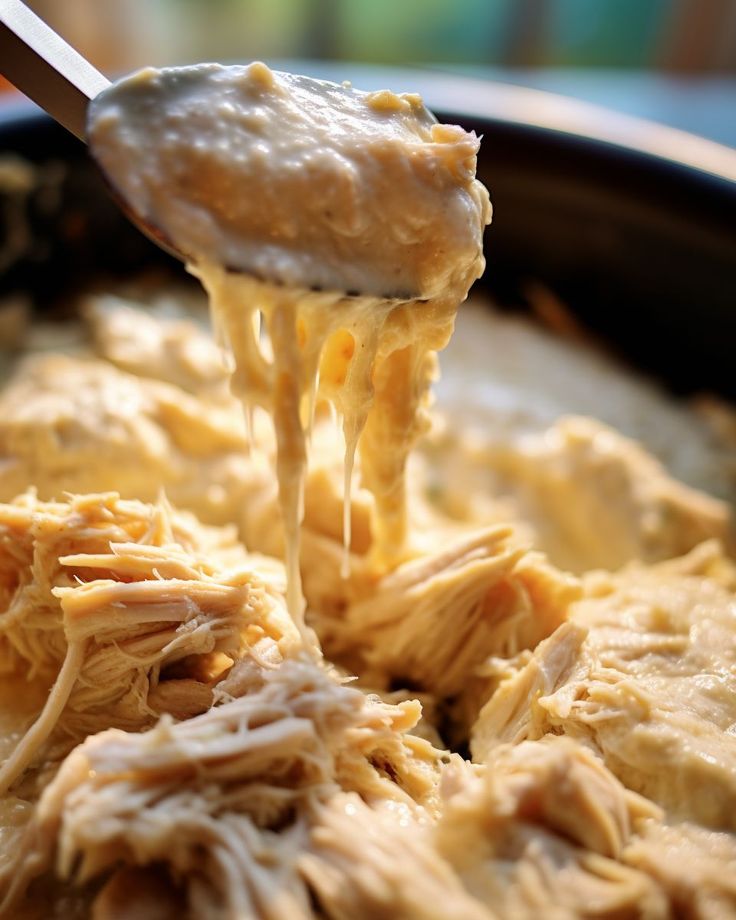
<point>340,349</point>
<point>287,193</point>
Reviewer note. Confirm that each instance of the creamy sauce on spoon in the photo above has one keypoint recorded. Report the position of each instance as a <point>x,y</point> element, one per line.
<point>350,222</point>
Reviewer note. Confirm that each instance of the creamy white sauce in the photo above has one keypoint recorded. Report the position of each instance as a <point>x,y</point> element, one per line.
<point>351,222</point>
<point>506,379</point>
<point>295,180</point>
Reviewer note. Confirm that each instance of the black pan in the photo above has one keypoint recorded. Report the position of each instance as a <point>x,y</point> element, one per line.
<point>632,225</point>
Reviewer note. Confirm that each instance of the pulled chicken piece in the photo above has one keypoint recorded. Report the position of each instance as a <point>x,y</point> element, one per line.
<point>434,619</point>
<point>590,497</point>
<point>224,800</point>
<point>645,672</point>
<point>541,831</point>
<point>393,872</point>
<point>695,866</point>
<point>121,608</point>
<point>71,424</point>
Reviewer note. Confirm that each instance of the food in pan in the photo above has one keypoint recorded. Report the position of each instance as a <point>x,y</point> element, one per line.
<point>522,705</point>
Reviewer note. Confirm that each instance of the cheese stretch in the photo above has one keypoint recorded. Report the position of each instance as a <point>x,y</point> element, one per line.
<point>350,223</point>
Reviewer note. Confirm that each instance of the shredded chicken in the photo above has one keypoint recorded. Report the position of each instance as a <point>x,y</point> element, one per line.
<point>223,770</point>
<point>589,497</point>
<point>646,671</point>
<point>541,833</point>
<point>434,619</point>
<point>694,866</point>
<point>155,344</point>
<point>396,872</point>
<point>79,425</point>
<point>225,800</point>
<point>117,606</point>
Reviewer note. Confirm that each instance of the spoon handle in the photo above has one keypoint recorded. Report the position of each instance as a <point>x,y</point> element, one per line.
<point>43,66</point>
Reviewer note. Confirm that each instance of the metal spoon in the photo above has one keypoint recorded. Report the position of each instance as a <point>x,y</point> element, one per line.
<point>47,69</point>
<point>330,189</point>
<point>37,60</point>
<point>40,63</point>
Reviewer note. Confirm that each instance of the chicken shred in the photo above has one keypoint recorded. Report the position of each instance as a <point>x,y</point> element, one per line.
<point>215,797</point>
<point>541,832</point>
<point>180,752</point>
<point>113,604</point>
<point>645,670</point>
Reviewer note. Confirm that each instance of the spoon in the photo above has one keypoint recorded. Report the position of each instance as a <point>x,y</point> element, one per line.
<point>47,69</point>
<point>291,180</point>
<point>43,66</point>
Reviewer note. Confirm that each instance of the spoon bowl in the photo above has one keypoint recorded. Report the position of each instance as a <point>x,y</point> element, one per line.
<point>292,180</point>
<point>42,65</point>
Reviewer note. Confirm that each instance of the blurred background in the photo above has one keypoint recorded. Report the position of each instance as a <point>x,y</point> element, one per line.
<point>675,36</point>
<point>672,60</point>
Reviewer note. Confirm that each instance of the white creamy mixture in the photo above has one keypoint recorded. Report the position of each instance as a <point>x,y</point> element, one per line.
<point>275,184</point>
<point>507,379</point>
<point>296,180</point>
